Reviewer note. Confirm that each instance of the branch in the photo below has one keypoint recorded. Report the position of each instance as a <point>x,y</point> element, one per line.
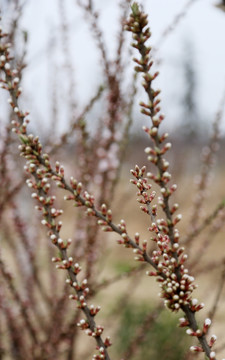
<point>173,289</point>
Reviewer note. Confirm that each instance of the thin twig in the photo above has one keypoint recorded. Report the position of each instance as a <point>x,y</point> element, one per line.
<point>206,222</point>
<point>218,295</point>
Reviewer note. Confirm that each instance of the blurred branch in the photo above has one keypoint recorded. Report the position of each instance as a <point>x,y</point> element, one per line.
<point>142,332</point>
<point>119,277</point>
<point>206,222</point>
<point>77,122</point>
<point>22,305</point>
<point>218,294</point>
<point>208,154</point>
<point>175,22</point>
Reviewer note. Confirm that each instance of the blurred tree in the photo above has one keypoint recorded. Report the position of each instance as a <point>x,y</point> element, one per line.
<point>221,5</point>
<point>191,122</point>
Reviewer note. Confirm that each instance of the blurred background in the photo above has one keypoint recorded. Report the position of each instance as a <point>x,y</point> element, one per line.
<point>187,38</point>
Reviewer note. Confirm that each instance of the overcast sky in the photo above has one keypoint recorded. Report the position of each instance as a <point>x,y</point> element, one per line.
<point>200,34</point>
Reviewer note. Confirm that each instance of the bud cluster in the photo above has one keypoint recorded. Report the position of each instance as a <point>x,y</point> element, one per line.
<point>199,334</point>
<point>137,24</point>
<point>169,258</point>
<point>177,285</point>
<point>39,167</point>
<point>11,81</point>
<point>88,324</point>
<point>105,218</point>
<point>143,186</point>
